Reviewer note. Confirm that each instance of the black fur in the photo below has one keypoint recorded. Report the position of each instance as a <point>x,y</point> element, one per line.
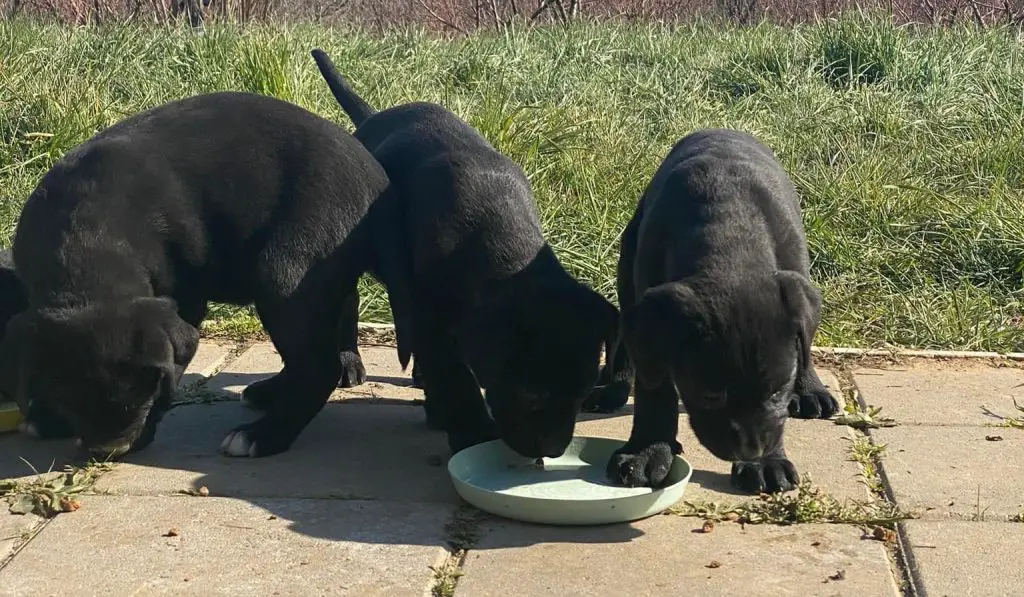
<point>718,310</point>
<point>492,307</point>
<point>13,297</point>
<point>229,197</point>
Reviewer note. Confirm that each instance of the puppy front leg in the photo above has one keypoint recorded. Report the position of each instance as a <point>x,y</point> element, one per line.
<point>453,400</point>
<point>646,458</point>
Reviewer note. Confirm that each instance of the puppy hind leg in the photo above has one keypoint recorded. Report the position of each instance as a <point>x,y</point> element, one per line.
<point>647,457</point>
<point>261,395</point>
<point>616,381</point>
<point>309,348</point>
<point>353,373</point>
<point>613,386</point>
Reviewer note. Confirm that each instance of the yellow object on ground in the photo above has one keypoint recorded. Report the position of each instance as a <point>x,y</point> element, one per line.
<point>10,416</point>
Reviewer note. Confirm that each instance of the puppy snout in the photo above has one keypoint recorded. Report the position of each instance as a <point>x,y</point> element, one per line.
<point>747,443</point>
<point>553,448</point>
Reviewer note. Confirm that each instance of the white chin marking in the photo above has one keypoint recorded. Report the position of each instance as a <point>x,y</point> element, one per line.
<point>28,429</point>
<point>78,442</point>
<point>237,443</point>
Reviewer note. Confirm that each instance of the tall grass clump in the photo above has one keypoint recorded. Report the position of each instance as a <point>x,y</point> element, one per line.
<point>906,144</point>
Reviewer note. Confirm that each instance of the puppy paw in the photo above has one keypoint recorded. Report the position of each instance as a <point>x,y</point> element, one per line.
<point>646,467</point>
<point>813,404</point>
<point>253,441</point>
<point>607,399</point>
<point>353,373</point>
<point>768,475</point>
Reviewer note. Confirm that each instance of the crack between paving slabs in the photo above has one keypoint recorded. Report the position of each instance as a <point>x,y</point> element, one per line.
<point>911,582</point>
<point>461,534</point>
<point>24,540</point>
<point>93,470</point>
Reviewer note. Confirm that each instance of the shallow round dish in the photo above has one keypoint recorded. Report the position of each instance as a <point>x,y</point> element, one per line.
<point>569,490</point>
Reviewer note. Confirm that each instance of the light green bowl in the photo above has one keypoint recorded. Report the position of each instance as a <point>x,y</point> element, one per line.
<point>569,490</point>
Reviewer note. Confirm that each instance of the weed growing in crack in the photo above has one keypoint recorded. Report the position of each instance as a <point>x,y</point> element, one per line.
<point>50,497</point>
<point>808,504</point>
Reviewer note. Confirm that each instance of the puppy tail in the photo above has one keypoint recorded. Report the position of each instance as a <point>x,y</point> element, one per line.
<point>357,109</point>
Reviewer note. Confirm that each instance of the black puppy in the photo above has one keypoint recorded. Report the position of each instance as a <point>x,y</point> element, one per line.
<point>492,305</point>
<point>718,309</point>
<point>230,197</point>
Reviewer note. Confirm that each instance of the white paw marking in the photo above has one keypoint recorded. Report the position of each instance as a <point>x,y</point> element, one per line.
<point>28,429</point>
<point>237,443</point>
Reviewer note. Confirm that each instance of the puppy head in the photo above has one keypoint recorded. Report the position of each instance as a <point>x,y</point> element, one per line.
<point>732,351</point>
<point>109,370</point>
<point>536,354</point>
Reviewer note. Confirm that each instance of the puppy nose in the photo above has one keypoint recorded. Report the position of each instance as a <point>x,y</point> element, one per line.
<point>552,448</point>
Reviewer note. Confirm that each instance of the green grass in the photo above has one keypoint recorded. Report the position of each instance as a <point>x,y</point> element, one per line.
<point>905,144</point>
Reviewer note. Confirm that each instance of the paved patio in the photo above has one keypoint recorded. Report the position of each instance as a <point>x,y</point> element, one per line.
<point>361,505</point>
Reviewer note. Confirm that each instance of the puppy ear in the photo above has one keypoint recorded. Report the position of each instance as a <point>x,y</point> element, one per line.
<point>802,302</point>
<point>652,330</point>
<point>162,340</point>
<point>484,336</point>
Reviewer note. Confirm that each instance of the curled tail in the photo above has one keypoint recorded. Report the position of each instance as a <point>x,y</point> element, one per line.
<point>357,109</point>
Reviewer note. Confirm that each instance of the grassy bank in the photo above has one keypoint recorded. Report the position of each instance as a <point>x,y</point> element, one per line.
<point>906,146</point>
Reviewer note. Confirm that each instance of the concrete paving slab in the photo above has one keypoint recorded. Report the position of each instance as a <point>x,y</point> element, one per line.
<point>819,449</point>
<point>385,380</point>
<point>968,559</point>
<point>257,362</point>
<point>15,529</point>
<point>20,453</point>
<point>232,547</point>
<point>349,450</point>
<point>209,358</point>
<point>929,395</point>
<point>941,472</point>
<point>662,556</point>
